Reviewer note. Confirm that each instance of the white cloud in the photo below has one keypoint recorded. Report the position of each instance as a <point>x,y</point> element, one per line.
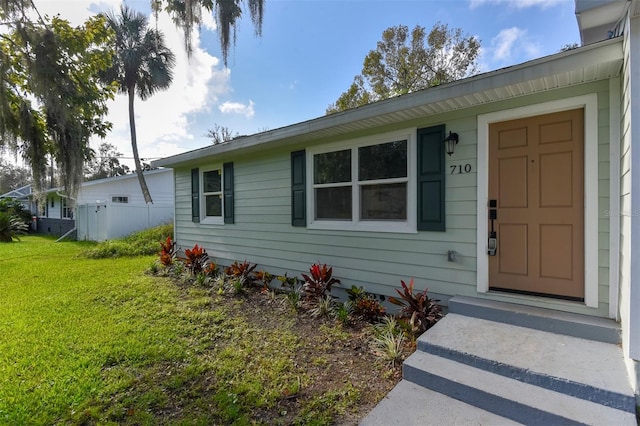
<point>208,22</point>
<point>238,108</point>
<point>503,43</point>
<point>511,40</point>
<point>517,4</point>
<point>75,11</point>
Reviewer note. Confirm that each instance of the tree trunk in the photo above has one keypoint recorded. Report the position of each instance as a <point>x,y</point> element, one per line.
<point>134,147</point>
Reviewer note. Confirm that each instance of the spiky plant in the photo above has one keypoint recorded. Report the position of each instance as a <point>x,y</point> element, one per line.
<point>11,227</point>
<point>323,307</point>
<point>388,341</point>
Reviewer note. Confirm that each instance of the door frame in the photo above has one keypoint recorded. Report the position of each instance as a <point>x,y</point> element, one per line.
<point>590,104</point>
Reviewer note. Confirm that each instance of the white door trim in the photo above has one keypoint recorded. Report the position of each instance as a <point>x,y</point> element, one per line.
<point>590,104</point>
<point>614,197</point>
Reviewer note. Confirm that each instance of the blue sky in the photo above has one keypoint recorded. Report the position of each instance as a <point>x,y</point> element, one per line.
<point>308,54</point>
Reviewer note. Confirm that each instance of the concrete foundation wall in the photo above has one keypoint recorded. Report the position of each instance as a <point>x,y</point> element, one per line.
<point>56,227</point>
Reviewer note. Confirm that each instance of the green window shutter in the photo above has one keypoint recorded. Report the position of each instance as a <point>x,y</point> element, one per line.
<point>431,164</point>
<point>195,195</point>
<point>227,191</point>
<point>298,189</point>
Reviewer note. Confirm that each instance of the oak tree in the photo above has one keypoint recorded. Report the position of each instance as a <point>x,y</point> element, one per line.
<point>51,100</point>
<point>405,61</point>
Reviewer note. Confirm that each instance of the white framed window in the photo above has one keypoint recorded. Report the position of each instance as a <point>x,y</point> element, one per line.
<point>66,211</point>
<point>120,199</point>
<point>364,184</point>
<point>211,199</point>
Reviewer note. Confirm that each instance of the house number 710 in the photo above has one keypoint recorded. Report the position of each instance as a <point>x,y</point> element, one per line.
<point>457,169</point>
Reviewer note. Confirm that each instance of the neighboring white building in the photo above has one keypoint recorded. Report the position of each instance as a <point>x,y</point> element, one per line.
<point>114,207</point>
<point>105,208</point>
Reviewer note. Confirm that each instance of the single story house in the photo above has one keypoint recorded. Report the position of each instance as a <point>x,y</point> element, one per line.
<point>536,201</point>
<point>23,195</point>
<point>105,208</point>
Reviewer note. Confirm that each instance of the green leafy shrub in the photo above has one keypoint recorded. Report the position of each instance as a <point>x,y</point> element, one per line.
<point>319,282</point>
<point>356,293</point>
<point>14,208</point>
<point>344,311</point>
<point>178,269</point>
<point>140,243</point>
<point>238,286</point>
<point>201,279</point>
<point>417,309</point>
<point>288,283</point>
<point>10,227</point>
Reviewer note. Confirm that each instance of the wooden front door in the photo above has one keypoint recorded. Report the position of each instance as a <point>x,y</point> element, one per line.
<point>536,176</point>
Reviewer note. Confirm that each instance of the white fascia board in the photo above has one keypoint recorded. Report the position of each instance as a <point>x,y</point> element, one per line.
<point>132,175</point>
<point>563,62</point>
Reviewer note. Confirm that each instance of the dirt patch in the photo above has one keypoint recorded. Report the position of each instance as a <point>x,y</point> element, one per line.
<point>343,378</point>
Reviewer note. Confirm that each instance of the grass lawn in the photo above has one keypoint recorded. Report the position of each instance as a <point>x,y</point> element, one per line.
<point>98,341</point>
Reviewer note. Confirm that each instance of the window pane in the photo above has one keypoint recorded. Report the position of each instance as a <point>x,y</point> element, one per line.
<point>119,199</point>
<point>333,203</point>
<point>213,205</point>
<point>332,167</point>
<point>384,161</point>
<point>211,181</point>
<point>383,202</point>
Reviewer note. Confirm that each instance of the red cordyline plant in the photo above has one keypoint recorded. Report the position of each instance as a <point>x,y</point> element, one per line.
<point>421,311</point>
<point>319,282</point>
<point>168,252</point>
<point>197,258</point>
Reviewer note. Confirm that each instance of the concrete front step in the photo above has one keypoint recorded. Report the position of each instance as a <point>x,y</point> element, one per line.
<point>510,399</point>
<point>576,325</point>
<point>469,370</point>
<point>578,367</point>
<point>409,404</point>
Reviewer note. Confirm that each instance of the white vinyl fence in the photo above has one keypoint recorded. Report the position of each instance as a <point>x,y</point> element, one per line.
<point>99,221</point>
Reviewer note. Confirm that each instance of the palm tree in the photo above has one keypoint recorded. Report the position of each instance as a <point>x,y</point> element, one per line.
<point>11,227</point>
<point>142,65</point>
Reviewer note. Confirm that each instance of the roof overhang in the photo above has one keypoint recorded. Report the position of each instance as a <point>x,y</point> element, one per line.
<point>599,19</point>
<point>578,66</point>
<point>132,175</point>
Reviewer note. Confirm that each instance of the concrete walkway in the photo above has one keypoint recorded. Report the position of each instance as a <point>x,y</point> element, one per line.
<point>473,369</point>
